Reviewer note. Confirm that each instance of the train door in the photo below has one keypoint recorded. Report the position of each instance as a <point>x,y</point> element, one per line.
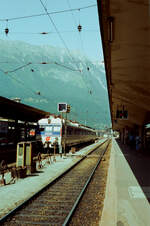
<point>56,136</point>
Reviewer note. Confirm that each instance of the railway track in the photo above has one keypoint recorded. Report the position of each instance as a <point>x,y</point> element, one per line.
<point>56,203</point>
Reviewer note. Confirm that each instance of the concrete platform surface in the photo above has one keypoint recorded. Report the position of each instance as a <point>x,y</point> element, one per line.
<point>125,203</point>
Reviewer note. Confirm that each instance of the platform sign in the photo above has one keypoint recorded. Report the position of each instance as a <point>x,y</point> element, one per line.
<point>121,114</point>
<point>32,132</point>
<point>62,107</point>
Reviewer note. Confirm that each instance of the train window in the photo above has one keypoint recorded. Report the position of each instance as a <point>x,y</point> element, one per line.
<point>41,126</point>
<point>56,128</point>
<point>48,128</point>
<point>69,130</point>
<point>76,131</point>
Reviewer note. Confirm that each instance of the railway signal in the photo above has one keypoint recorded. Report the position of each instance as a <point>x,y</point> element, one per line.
<point>62,107</point>
<point>68,108</point>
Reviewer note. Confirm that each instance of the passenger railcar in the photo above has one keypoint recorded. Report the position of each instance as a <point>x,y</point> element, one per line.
<point>63,133</point>
<point>12,132</point>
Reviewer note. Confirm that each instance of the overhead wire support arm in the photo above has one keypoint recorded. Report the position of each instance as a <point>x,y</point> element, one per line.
<point>43,63</point>
<point>18,68</point>
<point>67,67</point>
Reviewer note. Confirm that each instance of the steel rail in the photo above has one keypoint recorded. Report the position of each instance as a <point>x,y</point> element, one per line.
<point>13,211</point>
<point>68,218</point>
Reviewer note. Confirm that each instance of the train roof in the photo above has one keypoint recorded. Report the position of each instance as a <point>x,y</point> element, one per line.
<point>58,120</point>
<point>53,120</point>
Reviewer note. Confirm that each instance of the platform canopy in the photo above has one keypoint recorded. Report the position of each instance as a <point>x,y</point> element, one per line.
<point>125,32</point>
<point>17,111</point>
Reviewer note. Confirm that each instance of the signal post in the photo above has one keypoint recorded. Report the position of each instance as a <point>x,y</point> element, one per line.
<point>64,108</point>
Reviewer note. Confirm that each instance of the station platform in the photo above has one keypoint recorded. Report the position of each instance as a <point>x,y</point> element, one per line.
<point>128,188</point>
<point>17,192</point>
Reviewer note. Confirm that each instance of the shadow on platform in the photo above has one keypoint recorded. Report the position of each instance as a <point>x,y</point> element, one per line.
<point>139,162</point>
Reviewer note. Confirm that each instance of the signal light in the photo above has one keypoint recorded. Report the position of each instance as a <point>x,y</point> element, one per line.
<point>68,108</point>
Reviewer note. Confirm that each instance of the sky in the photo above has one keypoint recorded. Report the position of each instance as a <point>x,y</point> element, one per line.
<point>28,19</point>
<point>61,26</point>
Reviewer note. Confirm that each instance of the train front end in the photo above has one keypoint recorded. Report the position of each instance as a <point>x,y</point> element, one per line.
<point>50,132</point>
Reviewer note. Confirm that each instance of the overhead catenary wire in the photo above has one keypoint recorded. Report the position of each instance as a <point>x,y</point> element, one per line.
<point>21,67</point>
<point>66,67</point>
<point>18,68</point>
<point>82,46</point>
<point>35,92</point>
<point>2,70</point>
<point>47,32</point>
<point>29,89</point>
<point>50,13</point>
<point>18,81</point>
<point>61,38</point>
<point>43,63</point>
<point>87,66</point>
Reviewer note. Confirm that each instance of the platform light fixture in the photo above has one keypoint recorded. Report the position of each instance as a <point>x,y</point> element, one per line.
<point>121,114</point>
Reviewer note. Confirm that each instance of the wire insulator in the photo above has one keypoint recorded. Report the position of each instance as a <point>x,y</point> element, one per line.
<point>79,28</point>
<point>44,33</point>
<point>6,30</point>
